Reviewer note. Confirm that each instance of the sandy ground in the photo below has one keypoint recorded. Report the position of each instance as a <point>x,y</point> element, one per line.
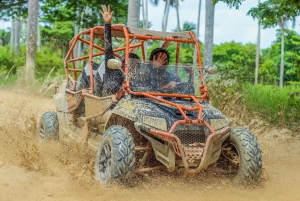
<point>56,171</point>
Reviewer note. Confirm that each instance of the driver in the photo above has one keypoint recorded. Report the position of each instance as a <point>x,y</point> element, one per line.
<point>161,79</point>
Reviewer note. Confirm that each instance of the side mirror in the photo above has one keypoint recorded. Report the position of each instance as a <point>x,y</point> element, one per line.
<point>114,64</point>
<point>211,69</point>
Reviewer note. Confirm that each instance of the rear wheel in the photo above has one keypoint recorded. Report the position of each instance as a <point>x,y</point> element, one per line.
<point>241,156</point>
<point>48,127</point>
<point>115,157</point>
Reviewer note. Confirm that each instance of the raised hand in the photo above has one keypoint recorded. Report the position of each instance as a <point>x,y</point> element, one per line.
<point>106,14</point>
<point>159,60</point>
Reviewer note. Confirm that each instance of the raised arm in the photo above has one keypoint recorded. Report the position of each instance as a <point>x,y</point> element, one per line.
<point>107,17</point>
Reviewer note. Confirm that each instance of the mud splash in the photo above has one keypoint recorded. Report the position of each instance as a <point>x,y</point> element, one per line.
<point>58,171</point>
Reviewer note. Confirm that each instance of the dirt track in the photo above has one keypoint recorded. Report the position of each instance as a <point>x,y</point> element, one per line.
<point>56,171</point>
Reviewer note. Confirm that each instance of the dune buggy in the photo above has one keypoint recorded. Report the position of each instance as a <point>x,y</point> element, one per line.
<point>141,128</point>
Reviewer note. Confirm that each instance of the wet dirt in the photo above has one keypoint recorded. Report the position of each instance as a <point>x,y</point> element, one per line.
<point>58,171</point>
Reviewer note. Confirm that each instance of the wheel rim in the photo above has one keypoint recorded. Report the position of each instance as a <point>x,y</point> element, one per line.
<point>42,133</point>
<point>105,161</point>
<point>229,162</point>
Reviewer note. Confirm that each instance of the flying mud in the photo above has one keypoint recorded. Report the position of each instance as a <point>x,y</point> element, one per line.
<point>57,171</point>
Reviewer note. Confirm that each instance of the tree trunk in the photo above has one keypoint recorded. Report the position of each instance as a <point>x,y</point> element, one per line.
<point>133,13</point>
<point>134,16</point>
<point>12,36</point>
<point>76,31</point>
<point>143,13</point>
<point>79,43</point>
<point>257,53</point>
<point>282,53</point>
<point>88,11</point>
<point>209,33</point>
<point>38,37</point>
<point>146,10</point>
<point>17,35</point>
<point>197,33</point>
<point>33,9</point>
<point>177,14</point>
<point>166,15</point>
<point>145,22</point>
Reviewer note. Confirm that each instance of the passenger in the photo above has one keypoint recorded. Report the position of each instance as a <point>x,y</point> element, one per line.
<point>112,79</point>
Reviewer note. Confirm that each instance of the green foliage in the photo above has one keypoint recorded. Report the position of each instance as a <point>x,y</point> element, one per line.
<point>6,60</point>
<point>4,37</point>
<point>58,35</point>
<point>269,70</point>
<point>61,10</point>
<point>230,3</point>
<point>74,10</point>
<point>270,12</point>
<point>141,25</point>
<point>235,60</point>
<point>280,106</point>
<point>12,8</point>
<point>187,26</point>
<point>46,60</point>
<point>10,61</point>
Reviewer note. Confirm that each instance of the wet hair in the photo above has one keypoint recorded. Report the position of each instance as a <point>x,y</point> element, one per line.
<point>131,55</point>
<point>157,50</point>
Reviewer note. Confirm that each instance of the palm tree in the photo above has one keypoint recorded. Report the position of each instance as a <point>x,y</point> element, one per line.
<point>177,14</point>
<point>189,26</point>
<point>17,33</point>
<point>168,4</point>
<point>33,8</point>
<point>145,22</point>
<point>209,32</point>
<point>257,53</point>
<point>133,13</point>
<point>197,33</point>
<point>282,23</point>
<point>12,35</point>
<point>272,13</point>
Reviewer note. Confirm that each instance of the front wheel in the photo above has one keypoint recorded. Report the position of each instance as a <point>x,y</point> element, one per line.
<point>241,156</point>
<point>115,156</point>
<point>48,127</point>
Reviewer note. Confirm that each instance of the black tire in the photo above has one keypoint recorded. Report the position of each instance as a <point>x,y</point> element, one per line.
<point>115,157</point>
<point>241,156</point>
<point>48,127</point>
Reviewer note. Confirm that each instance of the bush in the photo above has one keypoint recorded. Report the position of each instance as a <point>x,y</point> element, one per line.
<point>280,106</point>
<point>46,59</point>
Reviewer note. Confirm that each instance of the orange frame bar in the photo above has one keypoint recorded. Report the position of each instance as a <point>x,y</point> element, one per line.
<point>127,49</point>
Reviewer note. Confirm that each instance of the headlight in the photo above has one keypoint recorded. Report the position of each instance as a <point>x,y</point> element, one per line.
<point>155,122</point>
<point>217,124</point>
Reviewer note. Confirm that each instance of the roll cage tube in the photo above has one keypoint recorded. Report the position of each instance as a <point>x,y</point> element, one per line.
<point>122,31</point>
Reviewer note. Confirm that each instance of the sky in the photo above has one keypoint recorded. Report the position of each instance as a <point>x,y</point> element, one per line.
<point>229,24</point>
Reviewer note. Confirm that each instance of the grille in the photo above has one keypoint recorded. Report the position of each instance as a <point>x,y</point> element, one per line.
<point>190,136</point>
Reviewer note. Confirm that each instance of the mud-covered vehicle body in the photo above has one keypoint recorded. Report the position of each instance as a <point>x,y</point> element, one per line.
<point>142,128</point>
